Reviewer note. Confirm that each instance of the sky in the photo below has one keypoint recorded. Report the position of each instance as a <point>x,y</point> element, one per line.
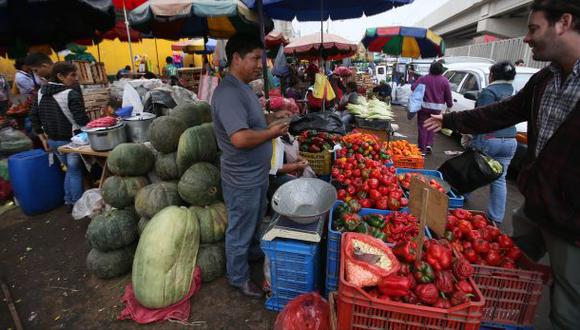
<point>353,29</point>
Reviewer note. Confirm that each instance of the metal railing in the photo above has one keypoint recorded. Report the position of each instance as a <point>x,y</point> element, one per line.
<point>501,50</point>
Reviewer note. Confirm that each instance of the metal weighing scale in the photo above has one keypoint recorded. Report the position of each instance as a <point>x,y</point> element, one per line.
<point>282,227</point>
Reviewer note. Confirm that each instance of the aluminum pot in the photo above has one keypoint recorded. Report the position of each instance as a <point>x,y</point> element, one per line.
<point>138,126</point>
<point>106,138</point>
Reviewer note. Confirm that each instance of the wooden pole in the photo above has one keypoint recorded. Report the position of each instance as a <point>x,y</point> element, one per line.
<point>11,306</point>
<point>129,37</point>
<point>157,55</point>
<point>260,6</point>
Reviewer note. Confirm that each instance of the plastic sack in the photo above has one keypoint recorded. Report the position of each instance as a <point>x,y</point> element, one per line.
<point>308,311</point>
<point>179,311</point>
<point>416,99</point>
<point>89,205</point>
<point>278,103</point>
<point>80,139</point>
<point>13,141</point>
<point>361,273</point>
<point>132,98</point>
<point>280,64</point>
<point>5,190</point>
<point>470,170</point>
<point>402,95</point>
<point>321,121</point>
<point>158,101</point>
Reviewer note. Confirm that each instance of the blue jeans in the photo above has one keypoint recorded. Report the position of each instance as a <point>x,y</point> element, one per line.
<point>73,180</point>
<point>246,208</point>
<point>502,150</point>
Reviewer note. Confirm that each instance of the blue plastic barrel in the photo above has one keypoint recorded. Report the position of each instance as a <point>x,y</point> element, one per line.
<point>37,186</point>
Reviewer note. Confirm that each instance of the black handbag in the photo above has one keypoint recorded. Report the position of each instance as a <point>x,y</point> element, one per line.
<point>470,170</point>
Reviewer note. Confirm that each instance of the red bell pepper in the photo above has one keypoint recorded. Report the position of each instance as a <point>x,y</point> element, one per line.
<point>444,281</point>
<point>442,303</point>
<point>493,258</point>
<point>406,251</point>
<point>473,235</point>
<point>411,298</point>
<point>514,253</point>
<point>439,257</point>
<point>508,263</point>
<point>427,293</point>
<point>464,286</point>
<point>395,285</point>
<point>423,272</point>
<point>462,268</point>
<point>505,242</point>
<point>404,269</point>
<point>470,255</point>
<point>459,297</point>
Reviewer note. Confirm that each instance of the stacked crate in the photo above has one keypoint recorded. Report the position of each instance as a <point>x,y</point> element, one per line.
<point>96,99</point>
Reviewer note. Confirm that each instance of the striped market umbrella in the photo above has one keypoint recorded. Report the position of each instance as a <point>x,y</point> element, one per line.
<point>404,41</point>
<point>332,48</point>
<point>175,19</point>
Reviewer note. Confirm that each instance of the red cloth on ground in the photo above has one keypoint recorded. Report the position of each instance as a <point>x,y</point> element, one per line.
<point>143,315</point>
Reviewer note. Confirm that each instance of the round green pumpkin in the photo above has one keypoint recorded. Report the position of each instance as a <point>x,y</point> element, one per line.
<point>164,133</point>
<point>111,264</point>
<point>213,221</point>
<point>196,144</point>
<point>165,258</point>
<point>200,184</point>
<point>119,192</point>
<point>130,159</point>
<point>193,114</point>
<point>155,197</point>
<point>211,258</point>
<point>166,166</point>
<point>112,230</point>
<point>142,224</point>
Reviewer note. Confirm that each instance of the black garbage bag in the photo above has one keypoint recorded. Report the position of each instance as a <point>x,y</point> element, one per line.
<point>470,170</point>
<point>159,101</point>
<point>326,121</point>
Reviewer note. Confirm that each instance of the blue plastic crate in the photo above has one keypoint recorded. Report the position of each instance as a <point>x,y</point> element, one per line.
<point>455,200</point>
<point>498,326</point>
<point>294,269</point>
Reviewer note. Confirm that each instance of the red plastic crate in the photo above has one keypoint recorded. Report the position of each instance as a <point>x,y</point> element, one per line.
<point>358,310</point>
<point>511,295</point>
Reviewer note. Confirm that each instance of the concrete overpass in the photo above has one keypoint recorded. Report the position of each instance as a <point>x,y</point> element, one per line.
<point>461,22</point>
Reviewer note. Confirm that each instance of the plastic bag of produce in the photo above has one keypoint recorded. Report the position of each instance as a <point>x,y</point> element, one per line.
<point>368,259</point>
<point>321,121</point>
<point>90,204</point>
<point>470,170</point>
<point>13,141</point>
<point>308,311</point>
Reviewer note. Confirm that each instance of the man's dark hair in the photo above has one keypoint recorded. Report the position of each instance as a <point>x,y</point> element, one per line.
<point>19,63</point>
<point>436,69</point>
<point>554,9</point>
<point>242,44</point>
<point>37,59</point>
<point>503,71</point>
<point>127,67</point>
<point>63,68</point>
<point>169,60</point>
<point>518,62</point>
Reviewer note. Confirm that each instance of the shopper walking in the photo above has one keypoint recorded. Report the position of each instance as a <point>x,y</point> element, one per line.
<point>437,98</point>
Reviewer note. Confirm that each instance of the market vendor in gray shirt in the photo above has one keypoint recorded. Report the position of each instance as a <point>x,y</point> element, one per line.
<point>246,144</point>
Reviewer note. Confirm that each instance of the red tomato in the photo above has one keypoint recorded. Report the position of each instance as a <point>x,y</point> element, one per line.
<point>373,183</point>
<point>492,258</point>
<point>366,203</point>
<point>341,194</point>
<point>382,203</point>
<point>374,194</point>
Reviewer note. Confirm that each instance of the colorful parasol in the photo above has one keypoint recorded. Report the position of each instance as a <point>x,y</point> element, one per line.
<point>404,41</point>
<point>333,47</point>
<point>175,19</point>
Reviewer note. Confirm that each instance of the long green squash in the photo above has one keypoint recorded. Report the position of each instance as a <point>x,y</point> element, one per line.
<point>165,257</point>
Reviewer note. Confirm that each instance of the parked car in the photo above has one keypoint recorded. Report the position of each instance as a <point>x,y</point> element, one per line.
<point>468,79</point>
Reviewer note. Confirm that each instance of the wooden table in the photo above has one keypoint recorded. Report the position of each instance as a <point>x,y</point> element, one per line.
<point>85,150</point>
